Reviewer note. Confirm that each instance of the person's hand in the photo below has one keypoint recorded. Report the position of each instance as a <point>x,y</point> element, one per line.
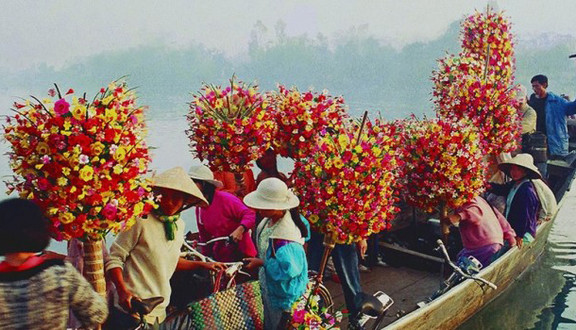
<point>237,234</point>
<point>251,263</point>
<point>511,241</point>
<point>125,299</point>
<point>362,247</point>
<point>454,218</point>
<point>519,241</point>
<point>53,255</point>
<point>213,266</point>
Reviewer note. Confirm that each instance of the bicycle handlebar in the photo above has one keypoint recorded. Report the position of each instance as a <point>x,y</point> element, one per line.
<point>228,239</point>
<point>459,271</point>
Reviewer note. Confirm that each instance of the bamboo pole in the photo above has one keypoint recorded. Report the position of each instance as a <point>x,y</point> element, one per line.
<point>94,266</point>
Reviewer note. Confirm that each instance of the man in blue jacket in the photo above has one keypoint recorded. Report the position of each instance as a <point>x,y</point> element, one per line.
<point>552,111</point>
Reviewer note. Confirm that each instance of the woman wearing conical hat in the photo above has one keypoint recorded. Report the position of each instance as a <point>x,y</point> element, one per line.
<point>143,258</point>
<point>522,203</point>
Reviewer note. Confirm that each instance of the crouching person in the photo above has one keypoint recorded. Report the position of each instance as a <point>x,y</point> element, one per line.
<point>483,230</point>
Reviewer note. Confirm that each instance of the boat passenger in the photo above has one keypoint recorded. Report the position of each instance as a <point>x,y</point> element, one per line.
<point>280,240</point>
<point>522,204</point>
<point>527,114</point>
<point>143,258</point>
<point>225,215</point>
<point>551,112</point>
<point>269,167</point>
<point>38,293</point>
<point>483,230</point>
<point>236,184</point>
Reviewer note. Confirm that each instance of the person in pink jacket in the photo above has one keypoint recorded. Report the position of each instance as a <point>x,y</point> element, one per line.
<point>225,215</point>
<point>483,230</point>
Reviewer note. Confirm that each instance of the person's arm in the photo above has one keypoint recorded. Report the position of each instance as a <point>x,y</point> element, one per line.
<point>509,234</point>
<point>252,263</point>
<point>87,306</point>
<point>185,264</point>
<point>362,246</point>
<point>570,108</point>
<point>500,189</point>
<point>119,253</point>
<point>124,295</point>
<point>241,213</point>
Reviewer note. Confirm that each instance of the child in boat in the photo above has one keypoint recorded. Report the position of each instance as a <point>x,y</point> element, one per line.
<point>225,215</point>
<point>143,258</point>
<point>37,293</point>
<point>483,230</point>
<point>280,239</point>
<point>522,203</point>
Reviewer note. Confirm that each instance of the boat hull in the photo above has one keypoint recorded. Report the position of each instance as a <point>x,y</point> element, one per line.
<point>467,298</point>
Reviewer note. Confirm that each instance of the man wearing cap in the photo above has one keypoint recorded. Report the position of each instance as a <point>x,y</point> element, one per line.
<point>143,258</point>
<point>522,203</point>
<point>552,111</point>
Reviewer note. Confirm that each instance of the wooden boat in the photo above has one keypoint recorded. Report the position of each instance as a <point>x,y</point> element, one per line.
<point>408,286</point>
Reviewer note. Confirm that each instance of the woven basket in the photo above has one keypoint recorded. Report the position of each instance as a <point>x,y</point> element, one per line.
<point>236,308</point>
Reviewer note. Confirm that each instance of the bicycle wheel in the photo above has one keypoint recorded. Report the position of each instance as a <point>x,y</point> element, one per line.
<point>325,299</point>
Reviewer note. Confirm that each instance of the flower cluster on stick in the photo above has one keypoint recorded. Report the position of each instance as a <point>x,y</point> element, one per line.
<point>301,116</point>
<point>82,161</point>
<point>442,164</point>
<point>230,126</point>
<point>345,183</point>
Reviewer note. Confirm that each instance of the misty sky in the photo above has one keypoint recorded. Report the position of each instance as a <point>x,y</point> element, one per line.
<point>61,32</point>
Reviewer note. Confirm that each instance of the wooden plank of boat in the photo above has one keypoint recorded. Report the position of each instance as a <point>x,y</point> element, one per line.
<point>467,298</point>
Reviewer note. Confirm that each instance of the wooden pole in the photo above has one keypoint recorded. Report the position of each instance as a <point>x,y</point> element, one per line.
<point>445,223</point>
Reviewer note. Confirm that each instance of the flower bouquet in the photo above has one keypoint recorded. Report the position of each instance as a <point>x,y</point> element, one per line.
<point>345,183</point>
<point>442,164</point>
<point>81,161</point>
<point>309,314</point>
<point>230,126</point>
<point>301,116</point>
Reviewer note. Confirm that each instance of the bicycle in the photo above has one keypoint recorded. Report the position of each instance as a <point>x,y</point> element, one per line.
<point>466,268</point>
<point>230,273</point>
<point>373,307</point>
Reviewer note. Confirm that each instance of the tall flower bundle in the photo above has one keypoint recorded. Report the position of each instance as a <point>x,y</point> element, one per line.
<point>345,184</point>
<point>477,86</point>
<point>82,161</point>
<point>301,116</point>
<point>230,126</point>
<point>443,164</point>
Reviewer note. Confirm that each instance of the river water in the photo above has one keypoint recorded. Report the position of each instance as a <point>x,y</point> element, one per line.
<point>545,296</point>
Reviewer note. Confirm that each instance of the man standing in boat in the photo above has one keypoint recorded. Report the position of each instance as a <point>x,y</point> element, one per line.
<point>552,111</point>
